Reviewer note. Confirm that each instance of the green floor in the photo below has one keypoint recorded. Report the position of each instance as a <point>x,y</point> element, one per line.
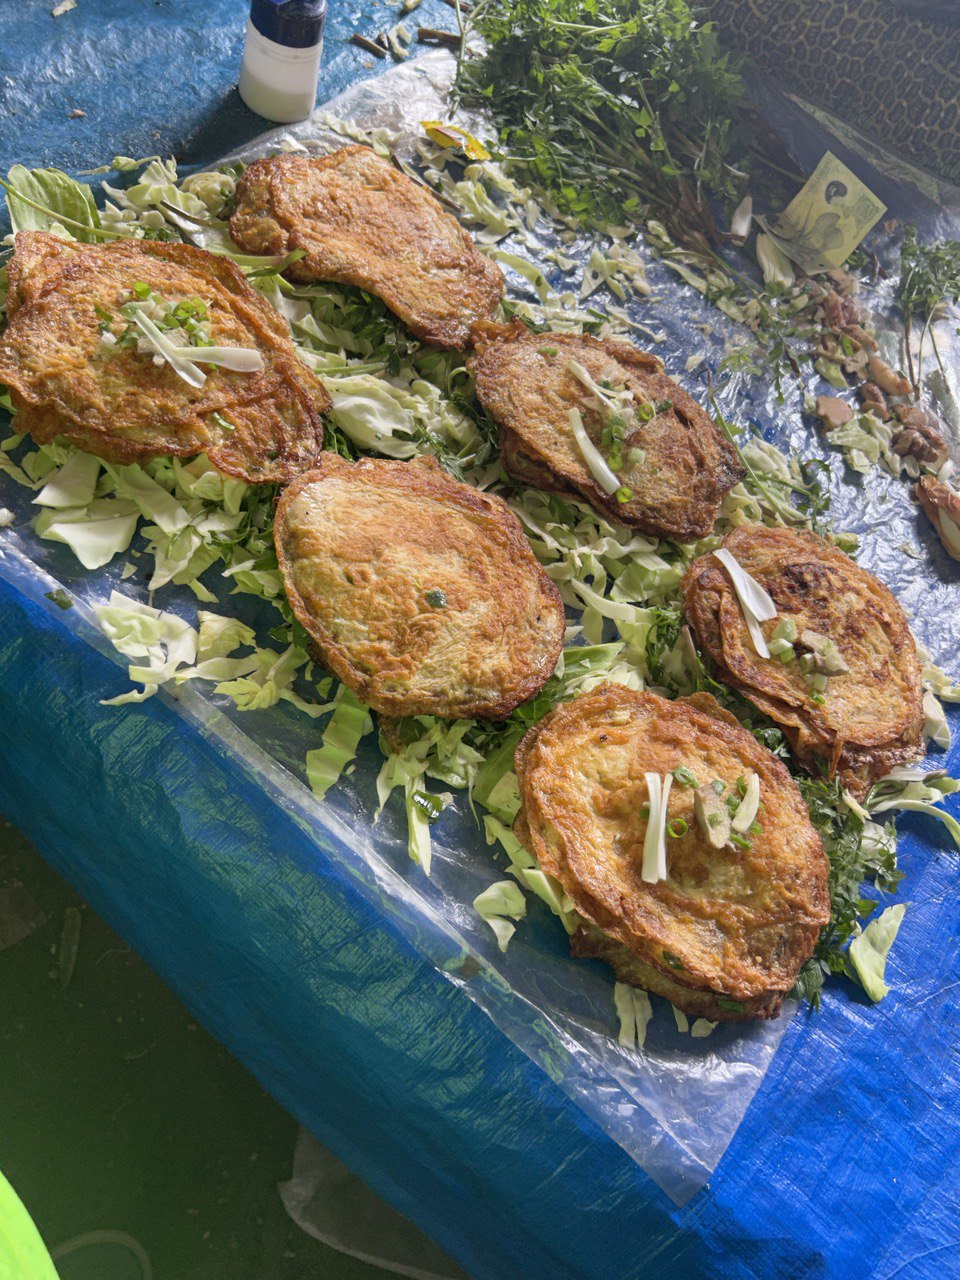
<point>119,1114</point>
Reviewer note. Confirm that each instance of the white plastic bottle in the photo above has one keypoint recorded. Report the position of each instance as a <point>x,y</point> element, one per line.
<point>281,58</point>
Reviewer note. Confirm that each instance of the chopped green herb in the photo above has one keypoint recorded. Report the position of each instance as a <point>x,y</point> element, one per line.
<point>677,827</point>
<point>673,961</point>
<point>684,777</point>
<point>62,599</point>
<point>436,599</point>
<point>624,494</point>
<point>430,805</point>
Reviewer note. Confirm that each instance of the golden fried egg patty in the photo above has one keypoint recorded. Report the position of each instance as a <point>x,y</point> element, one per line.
<point>126,405</point>
<point>866,719</point>
<point>420,593</point>
<point>363,223</point>
<point>725,934</point>
<point>675,463</point>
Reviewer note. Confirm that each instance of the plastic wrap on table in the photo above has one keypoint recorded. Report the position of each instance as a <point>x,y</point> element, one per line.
<point>674,1108</point>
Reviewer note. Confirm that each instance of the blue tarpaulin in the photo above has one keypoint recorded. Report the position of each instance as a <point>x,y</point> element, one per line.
<point>846,1161</point>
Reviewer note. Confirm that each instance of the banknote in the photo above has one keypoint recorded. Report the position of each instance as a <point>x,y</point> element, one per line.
<point>826,219</point>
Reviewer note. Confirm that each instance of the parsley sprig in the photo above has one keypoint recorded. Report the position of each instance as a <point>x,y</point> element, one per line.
<point>854,861</point>
<point>929,278</point>
<point>639,96</point>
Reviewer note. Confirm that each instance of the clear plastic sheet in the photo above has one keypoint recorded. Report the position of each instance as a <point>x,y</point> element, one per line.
<point>331,1204</point>
<point>675,1106</point>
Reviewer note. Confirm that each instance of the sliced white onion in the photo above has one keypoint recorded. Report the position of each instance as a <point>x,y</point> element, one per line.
<point>237,359</point>
<point>655,841</point>
<point>755,603</point>
<point>185,368</point>
<point>748,807</point>
<point>592,456</point>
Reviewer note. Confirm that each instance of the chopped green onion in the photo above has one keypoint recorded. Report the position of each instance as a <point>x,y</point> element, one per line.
<point>684,777</point>
<point>781,649</point>
<point>436,599</point>
<point>676,828</point>
<point>786,629</point>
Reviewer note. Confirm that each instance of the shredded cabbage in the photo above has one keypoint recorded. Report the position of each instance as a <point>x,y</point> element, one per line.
<point>634,1011</point>
<point>95,533</point>
<point>341,738</point>
<point>869,950</point>
<point>499,905</point>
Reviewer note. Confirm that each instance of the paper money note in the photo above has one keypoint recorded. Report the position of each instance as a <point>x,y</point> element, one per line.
<point>826,219</point>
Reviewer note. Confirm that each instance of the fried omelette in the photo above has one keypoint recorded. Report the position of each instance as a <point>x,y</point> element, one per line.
<point>868,716</point>
<point>361,222</point>
<point>675,463</point>
<point>124,404</point>
<point>420,593</point>
<point>725,934</point>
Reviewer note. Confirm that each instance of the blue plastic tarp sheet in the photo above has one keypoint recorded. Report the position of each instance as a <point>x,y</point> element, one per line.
<point>845,1163</point>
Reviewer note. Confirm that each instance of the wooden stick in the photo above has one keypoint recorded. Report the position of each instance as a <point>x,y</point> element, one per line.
<point>363,43</point>
<point>430,35</point>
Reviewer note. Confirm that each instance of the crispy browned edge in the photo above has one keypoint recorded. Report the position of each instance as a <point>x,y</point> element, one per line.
<point>858,766</point>
<point>542,472</point>
<point>590,940</point>
<point>299,380</point>
<point>426,477</point>
<point>273,236</point>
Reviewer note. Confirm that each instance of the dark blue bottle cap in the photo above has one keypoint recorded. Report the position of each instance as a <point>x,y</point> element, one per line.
<point>296,23</point>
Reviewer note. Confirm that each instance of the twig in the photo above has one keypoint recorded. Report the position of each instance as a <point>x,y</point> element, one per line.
<point>363,43</point>
<point>430,35</point>
<point>415,177</point>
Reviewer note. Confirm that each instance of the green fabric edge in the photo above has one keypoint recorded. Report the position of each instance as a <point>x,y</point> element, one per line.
<point>23,1255</point>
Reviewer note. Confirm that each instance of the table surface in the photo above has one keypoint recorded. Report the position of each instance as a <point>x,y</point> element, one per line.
<point>846,1162</point>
